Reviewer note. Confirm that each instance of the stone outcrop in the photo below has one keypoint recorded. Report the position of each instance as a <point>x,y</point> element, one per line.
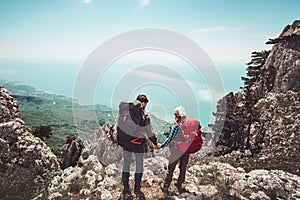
<point>71,152</point>
<point>266,120</point>
<point>24,159</point>
<point>281,71</point>
<point>263,184</point>
<point>80,181</point>
<point>103,144</point>
<point>18,146</point>
<point>9,108</point>
<point>223,180</point>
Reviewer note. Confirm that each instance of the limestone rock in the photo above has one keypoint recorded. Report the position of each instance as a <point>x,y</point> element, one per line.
<point>18,146</point>
<point>266,121</point>
<point>24,159</point>
<point>78,181</point>
<point>102,144</point>
<point>267,185</point>
<point>9,108</point>
<point>71,152</point>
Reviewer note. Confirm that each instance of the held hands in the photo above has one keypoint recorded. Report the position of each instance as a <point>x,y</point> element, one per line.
<point>157,146</point>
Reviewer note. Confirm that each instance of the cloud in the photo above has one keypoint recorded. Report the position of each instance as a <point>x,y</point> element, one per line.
<point>218,29</point>
<point>153,76</point>
<point>87,1</point>
<point>210,95</point>
<point>144,3</point>
<point>205,95</point>
<point>4,70</point>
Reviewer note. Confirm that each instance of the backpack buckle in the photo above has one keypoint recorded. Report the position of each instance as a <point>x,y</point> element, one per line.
<point>135,140</point>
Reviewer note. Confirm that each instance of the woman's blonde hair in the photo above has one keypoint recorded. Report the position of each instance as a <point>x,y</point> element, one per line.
<point>180,111</point>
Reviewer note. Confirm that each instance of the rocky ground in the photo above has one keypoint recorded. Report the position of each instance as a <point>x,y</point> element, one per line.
<point>207,177</point>
<point>213,180</point>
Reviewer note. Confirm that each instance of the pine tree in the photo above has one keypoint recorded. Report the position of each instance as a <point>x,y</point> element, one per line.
<point>235,111</point>
<point>229,117</point>
<point>254,71</point>
<point>43,132</point>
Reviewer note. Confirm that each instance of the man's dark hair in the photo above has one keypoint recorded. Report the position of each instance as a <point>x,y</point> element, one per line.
<point>142,98</point>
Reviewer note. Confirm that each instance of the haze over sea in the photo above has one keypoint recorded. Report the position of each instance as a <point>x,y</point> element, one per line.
<point>58,76</point>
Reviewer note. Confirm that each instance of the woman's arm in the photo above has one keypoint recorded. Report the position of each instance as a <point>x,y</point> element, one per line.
<point>173,132</point>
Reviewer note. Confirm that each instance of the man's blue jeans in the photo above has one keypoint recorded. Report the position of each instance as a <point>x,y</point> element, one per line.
<point>139,166</point>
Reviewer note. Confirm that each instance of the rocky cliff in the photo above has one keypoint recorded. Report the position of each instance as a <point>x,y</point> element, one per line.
<point>23,157</point>
<point>262,121</point>
<point>282,68</point>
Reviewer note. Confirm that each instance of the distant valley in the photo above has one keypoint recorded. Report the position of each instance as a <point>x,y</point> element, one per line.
<point>38,108</point>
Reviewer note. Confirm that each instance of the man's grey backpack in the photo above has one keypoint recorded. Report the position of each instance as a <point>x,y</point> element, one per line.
<point>130,123</point>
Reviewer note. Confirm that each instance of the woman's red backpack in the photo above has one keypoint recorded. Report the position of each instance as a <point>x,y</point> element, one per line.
<point>191,135</point>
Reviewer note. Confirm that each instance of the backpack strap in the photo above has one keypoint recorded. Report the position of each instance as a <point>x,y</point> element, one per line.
<point>182,127</point>
<point>175,142</point>
<point>135,140</point>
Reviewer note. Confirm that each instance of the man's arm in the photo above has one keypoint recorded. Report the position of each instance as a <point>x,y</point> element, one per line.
<point>148,130</point>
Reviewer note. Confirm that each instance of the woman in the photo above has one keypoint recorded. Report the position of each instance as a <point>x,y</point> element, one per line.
<point>176,155</point>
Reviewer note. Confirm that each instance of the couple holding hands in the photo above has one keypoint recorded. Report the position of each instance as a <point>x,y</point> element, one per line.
<point>137,146</point>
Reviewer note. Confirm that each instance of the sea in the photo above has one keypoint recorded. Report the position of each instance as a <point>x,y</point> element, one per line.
<point>165,92</point>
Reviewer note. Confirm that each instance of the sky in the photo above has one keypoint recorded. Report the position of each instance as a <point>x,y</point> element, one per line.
<point>227,30</point>
<point>50,31</point>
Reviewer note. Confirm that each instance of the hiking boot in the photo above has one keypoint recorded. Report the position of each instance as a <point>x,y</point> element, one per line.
<point>164,188</point>
<point>126,194</point>
<point>126,189</point>
<point>137,191</point>
<point>126,197</point>
<point>180,188</point>
<point>140,196</point>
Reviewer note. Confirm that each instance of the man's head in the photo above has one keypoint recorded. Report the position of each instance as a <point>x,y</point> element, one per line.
<point>143,99</point>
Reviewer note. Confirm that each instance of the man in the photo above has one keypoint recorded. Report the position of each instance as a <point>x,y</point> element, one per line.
<point>176,155</point>
<point>137,146</point>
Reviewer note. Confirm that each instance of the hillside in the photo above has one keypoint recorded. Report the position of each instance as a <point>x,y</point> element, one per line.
<point>38,108</point>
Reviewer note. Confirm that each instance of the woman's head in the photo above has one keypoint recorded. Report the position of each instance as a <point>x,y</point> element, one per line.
<point>179,112</point>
